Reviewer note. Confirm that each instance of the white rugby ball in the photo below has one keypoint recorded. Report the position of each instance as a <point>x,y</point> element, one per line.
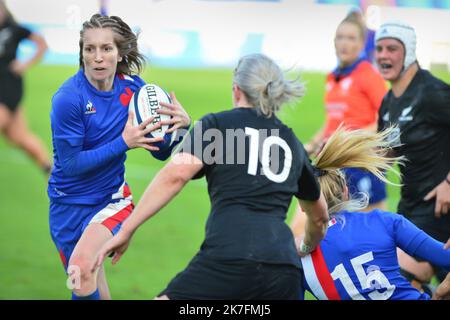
<point>144,104</point>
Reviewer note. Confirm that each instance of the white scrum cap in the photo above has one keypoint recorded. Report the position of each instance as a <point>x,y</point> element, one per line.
<point>403,33</point>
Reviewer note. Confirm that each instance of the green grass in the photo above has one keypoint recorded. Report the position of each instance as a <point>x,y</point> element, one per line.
<point>29,263</point>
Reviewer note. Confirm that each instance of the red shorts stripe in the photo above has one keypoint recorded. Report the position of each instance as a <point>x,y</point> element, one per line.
<point>119,217</point>
<point>63,258</point>
<point>126,191</point>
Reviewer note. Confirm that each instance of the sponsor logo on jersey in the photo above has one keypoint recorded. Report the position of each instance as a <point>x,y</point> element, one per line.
<point>405,116</point>
<point>90,109</point>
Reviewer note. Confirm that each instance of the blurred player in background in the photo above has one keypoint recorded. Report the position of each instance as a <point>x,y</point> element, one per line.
<point>354,91</point>
<point>89,197</point>
<point>357,259</point>
<point>12,118</point>
<point>369,16</point>
<point>249,251</point>
<point>419,104</point>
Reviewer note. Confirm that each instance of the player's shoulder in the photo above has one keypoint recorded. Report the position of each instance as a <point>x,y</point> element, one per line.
<point>368,72</point>
<point>366,66</point>
<point>372,216</point>
<point>228,117</point>
<point>430,82</point>
<point>232,113</point>
<point>387,218</point>
<point>73,84</point>
<point>69,91</point>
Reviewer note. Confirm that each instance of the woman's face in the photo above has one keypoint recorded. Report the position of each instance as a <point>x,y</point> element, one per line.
<point>390,56</point>
<point>348,43</point>
<point>100,55</point>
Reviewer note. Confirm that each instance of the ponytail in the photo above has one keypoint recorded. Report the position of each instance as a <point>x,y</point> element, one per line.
<point>353,149</point>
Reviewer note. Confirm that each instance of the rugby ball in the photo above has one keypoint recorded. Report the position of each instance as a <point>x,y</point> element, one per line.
<point>144,103</point>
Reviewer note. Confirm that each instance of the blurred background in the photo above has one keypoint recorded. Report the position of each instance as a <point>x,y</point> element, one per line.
<point>191,46</point>
<point>211,33</point>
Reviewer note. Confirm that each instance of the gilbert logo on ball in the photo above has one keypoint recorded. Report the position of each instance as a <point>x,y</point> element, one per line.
<point>144,104</point>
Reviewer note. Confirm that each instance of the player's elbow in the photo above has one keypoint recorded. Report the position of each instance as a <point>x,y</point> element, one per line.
<point>173,182</point>
<point>176,177</point>
<point>71,169</point>
<point>68,171</point>
<point>318,214</point>
<point>317,211</point>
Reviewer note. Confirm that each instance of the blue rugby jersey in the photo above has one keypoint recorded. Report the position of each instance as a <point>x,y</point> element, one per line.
<point>357,260</point>
<point>89,151</point>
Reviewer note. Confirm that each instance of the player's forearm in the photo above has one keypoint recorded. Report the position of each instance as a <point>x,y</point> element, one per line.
<point>164,187</point>
<point>76,162</point>
<point>314,233</point>
<point>433,251</point>
<point>41,48</point>
<point>317,140</point>
<point>317,222</point>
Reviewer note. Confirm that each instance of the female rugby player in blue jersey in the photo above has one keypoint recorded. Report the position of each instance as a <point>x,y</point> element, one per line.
<point>91,131</point>
<point>357,259</point>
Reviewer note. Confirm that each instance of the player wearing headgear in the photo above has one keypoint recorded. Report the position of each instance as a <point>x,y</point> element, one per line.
<point>91,131</point>
<point>357,259</point>
<point>254,165</point>
<point>419,105</point>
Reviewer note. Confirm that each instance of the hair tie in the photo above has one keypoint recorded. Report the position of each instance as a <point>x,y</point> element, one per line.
<point>319,172</point>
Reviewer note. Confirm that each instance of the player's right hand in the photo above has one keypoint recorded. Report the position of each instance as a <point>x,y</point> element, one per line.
<point>135,137</point>
<point>117,245</point>
<point>443,290</point>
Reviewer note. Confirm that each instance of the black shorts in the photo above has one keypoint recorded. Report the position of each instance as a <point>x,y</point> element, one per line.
<point>438,228</point>
<point>210,279</point>
<point>11,90</point>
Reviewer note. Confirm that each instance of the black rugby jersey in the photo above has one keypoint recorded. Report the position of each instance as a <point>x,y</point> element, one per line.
<point>423,116</point>
<point>10,36</point>
<point>253,166</point>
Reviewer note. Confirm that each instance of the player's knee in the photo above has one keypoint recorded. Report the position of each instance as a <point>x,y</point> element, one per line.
<point>81,275</point>
<point>5,117</point>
